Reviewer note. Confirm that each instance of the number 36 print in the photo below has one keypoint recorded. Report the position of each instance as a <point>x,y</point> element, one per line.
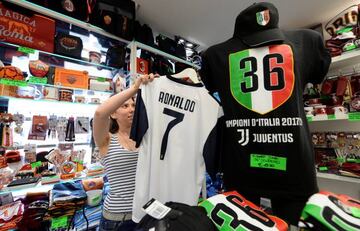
<point>262,79</point>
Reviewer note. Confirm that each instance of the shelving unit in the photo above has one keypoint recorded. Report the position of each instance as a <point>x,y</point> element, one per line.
<point>343,64</point>
<point>64,18</point>
<point>133,45</point>
<point>37,107</point>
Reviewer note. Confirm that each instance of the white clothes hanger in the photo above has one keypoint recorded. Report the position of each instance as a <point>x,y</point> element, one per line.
<point>188,72</point>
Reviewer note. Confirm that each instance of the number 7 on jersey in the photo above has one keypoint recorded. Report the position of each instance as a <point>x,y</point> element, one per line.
<point>178,117</point>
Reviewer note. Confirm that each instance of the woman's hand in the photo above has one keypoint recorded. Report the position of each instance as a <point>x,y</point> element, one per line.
<point>144,79</point>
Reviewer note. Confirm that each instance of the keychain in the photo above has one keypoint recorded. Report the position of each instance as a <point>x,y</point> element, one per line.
<point>19,121</point>
<point>70,130</point>
<point>52,126</point>
<point>7,138</point>
<point>333,140</point>
<point>82,125</point>
<point>61,128</point>
<point>314,138</point>
<point>341,139</point>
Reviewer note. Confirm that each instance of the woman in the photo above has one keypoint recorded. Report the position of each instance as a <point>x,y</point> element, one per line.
<point>119,155</point>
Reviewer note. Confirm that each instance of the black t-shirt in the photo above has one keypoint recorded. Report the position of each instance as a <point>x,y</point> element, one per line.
<point>267,148</point>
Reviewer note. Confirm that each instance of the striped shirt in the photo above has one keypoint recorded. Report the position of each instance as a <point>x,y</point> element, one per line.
<point>120,165</point>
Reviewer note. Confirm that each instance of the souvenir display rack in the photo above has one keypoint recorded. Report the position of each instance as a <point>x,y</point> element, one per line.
<point>346,64</point>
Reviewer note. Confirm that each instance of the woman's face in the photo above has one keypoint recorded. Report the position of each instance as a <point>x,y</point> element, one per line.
<point>124,114</point>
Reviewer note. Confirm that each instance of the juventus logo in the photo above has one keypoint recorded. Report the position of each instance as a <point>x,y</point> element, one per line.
<point>244,134</point>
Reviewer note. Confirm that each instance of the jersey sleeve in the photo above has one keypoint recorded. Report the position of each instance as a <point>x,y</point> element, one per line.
<point>321,60</point>
<point>205,73</point>
<point>212,147</point>
<point>140,120</point>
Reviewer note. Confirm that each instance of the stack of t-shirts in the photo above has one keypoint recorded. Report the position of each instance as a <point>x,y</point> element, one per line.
<point>87,219</point>
<point>36,205</point>
<point>66,198</point>
<point>11,215</point>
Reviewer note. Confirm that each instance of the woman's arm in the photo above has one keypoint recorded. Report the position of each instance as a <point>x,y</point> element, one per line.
<point>102,114</point>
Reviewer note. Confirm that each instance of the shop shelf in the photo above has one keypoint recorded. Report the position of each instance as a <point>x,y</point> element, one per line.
<point>326,118</point>
<point>47,145</point>
<point>338,177</point>
<point>347,58</point>
<point>53,101</point>
<point>351,117</point>
<point>20,191</point>
<point>56,15</point>
<point>90,92</point>
<point>66,58</point>
<point>25,83</point>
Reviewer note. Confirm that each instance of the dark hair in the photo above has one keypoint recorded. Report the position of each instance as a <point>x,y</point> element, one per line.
<point>114,127</point>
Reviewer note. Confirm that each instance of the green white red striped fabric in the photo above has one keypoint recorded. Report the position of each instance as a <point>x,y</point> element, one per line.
<point>257,71</point>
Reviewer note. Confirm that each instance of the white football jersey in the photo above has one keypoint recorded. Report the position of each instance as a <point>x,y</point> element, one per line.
<point>175,126</point>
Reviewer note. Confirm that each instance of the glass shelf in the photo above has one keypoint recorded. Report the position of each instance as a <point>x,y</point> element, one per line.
<point>53,101</point>
<point>351,117</point>
<point>22,190</point>
<point>48,145</point>
<point>76,89</point>
<point>26,83</point>
<point>331,176</point>
<point>327,118</point>
<point>346,58</point>
<point>65,58</point>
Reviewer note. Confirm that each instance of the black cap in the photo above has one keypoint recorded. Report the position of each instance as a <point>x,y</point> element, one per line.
<point>258,25</point>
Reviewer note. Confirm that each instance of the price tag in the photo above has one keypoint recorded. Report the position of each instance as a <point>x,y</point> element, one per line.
<point>354,116</point>
<point>26,50</point>
<point>267,161</point>
<point>353,160</point>
<point>11,82</point>
<point>341,160</point>
<point>96,199</point>
<point>36,164</point>
<point>323,168</point>
<point>101,79</point>
<point>156,209</point>
<point>331,117</point>
<point>59,222</point>
<point>37,80</point>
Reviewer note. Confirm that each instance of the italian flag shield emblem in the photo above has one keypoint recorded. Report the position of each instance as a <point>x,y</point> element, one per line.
<point>263,17</point>
<point>262,79</point>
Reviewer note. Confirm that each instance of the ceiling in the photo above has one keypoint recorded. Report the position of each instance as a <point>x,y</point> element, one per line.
<point>208,22</point>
